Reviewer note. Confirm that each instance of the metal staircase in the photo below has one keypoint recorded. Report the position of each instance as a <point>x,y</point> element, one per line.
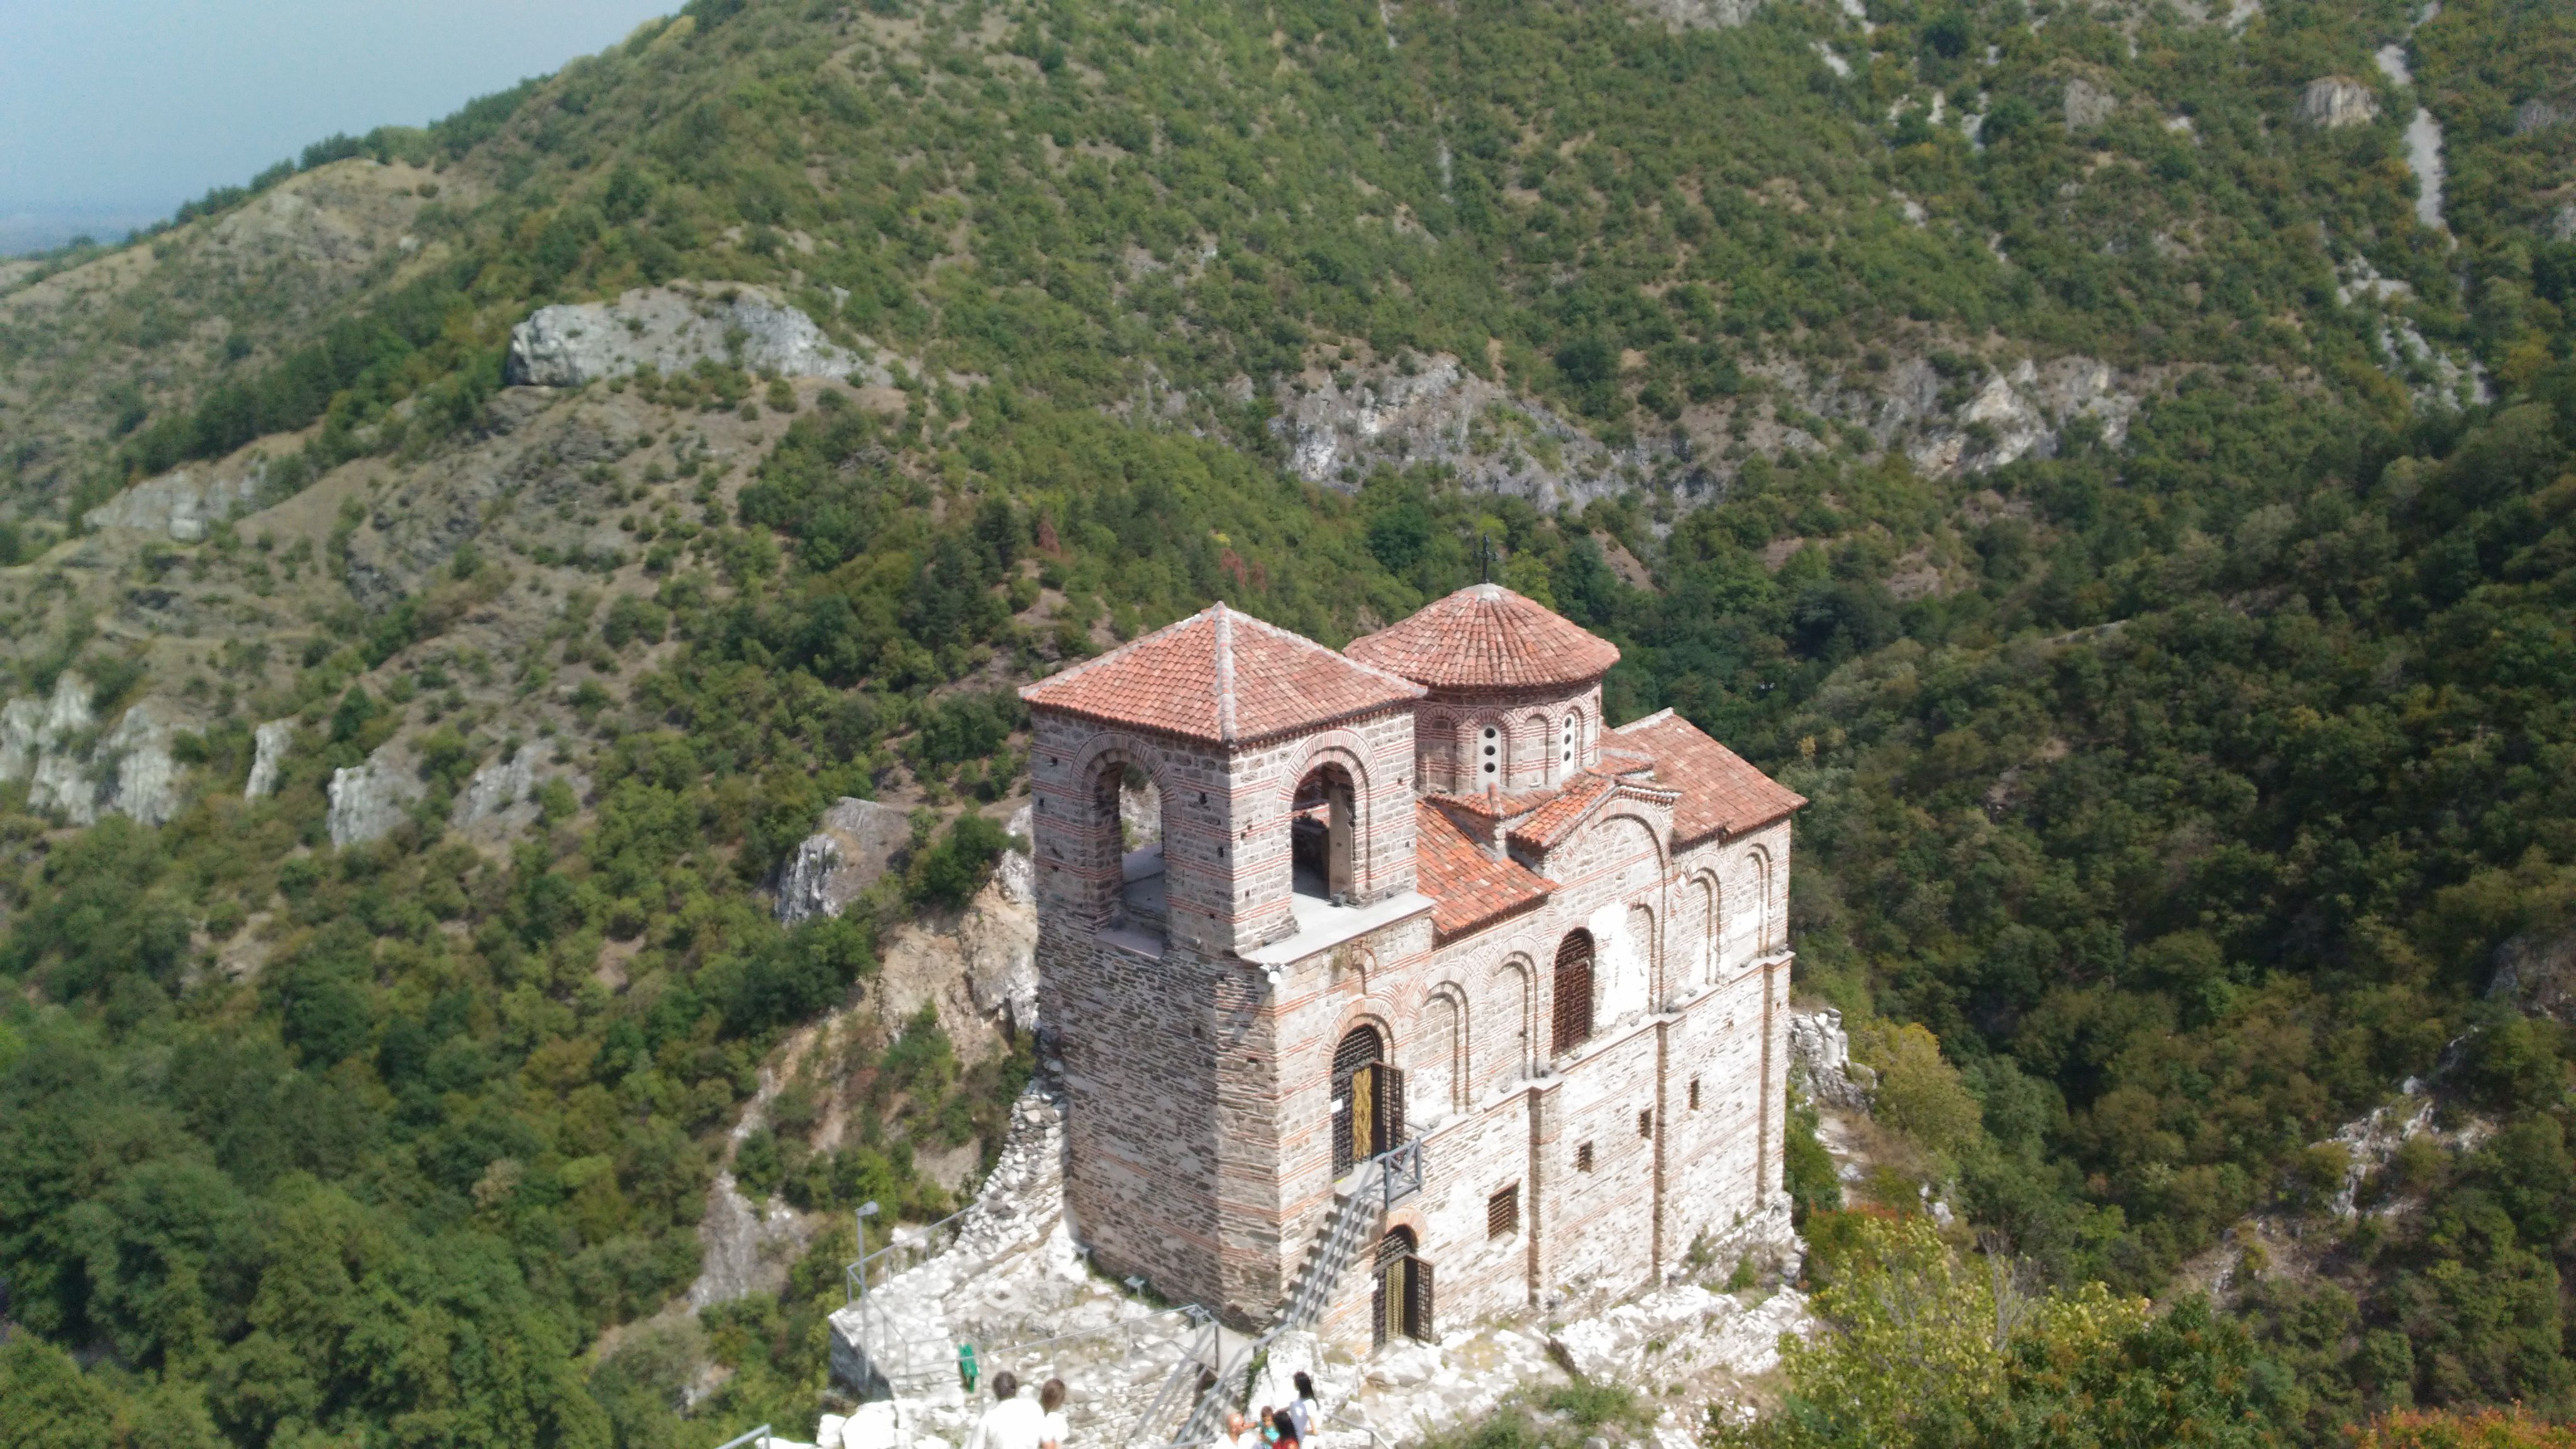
<point>1358,1217</point>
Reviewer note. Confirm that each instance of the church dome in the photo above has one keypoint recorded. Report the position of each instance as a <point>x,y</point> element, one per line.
<point>1487,637</point>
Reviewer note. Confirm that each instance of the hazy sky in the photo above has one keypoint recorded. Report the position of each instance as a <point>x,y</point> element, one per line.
<point>129,107</point>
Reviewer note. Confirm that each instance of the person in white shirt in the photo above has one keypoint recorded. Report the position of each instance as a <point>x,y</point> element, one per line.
<point>1305,1411</point>
<point>1054,1430</point>
<point>1238,1434</point>
<point>1012,1423</point>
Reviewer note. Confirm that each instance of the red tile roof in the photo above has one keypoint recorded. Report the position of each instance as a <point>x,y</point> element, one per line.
<point>1468,887</point>
<point>1720,792</point>
<point>1573,801</point>
<point>1224,676</point>
<point>1486,637</point>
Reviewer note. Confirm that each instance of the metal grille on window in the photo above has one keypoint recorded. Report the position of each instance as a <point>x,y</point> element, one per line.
<point>1358,1101</point>
<point>1694,1094</point>
<point>1403,1301</point>
<point>1645,1124</point>
<point>1503,1212</point>
<point>1573,1017</point>
<point>1583,1157</point>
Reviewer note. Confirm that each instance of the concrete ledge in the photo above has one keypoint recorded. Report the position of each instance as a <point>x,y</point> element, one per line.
<point>1321,927</point>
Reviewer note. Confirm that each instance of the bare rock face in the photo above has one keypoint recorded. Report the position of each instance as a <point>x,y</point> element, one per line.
<point>2088,105</point>
<point>672,330</point>
<point>1703,14</point>
<point>857,842</point>
<point>2011,415</point>
<point>368,800</point>
<point>1440,413</point>
<point>268,756</point>
<point>500,800</point>
<point>138,777</point>
<point>2537,974</point>
<point>2333,102</point>
<point>183,503</point>
<point>2539,114</point>
<point>1820,1061</point>
<point>2562,223</point>
<point>128,771</point>
<point>2021,414</point>
<point>999,935</point>
<point>30,729</point>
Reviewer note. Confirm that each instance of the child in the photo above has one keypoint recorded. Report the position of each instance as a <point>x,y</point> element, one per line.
<point>1051,1396</point>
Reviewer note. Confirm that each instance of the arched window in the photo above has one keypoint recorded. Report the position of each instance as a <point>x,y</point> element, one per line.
<point>1765,929</point>
<point>1368,1099</point>
<point>1573,1017</point>
<point>1403,1300</point>
<point>1320,834</point>
<point>1642,956</point>
<point>1489,756</point>
<point>1568,743</point>
<point>1439,1056</point>
<point>1704,896</point>
<point>1516,990</point>
<point>1436,761</point>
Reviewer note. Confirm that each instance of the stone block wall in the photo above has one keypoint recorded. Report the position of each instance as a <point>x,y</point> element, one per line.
<point>1719,1155</point>
<point>1599,1223</point>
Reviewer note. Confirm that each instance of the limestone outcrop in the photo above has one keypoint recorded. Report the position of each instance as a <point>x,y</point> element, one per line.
<point>999,935</point>
<point>268,757</point>
<point>2088,105</point>
<point>183,503</point>
<point>79,774</point>
<point>2540,113</point>
<point>856,843</point>
<point>2024,413</point>
<point>2333,102</point>
<point>1702,14</point>
<point>1820,1061</point>
<point>671,329</point>
<point>500,799</point>
<point>369,800</point>
<point>1438,413</point>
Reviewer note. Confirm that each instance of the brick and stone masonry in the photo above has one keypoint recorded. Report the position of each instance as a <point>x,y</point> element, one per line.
<point>1402,839</point>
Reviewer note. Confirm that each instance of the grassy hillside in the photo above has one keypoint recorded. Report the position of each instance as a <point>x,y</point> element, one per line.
<point>2191,782</point>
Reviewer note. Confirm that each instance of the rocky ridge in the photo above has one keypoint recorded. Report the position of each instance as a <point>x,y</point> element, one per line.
<point>673,329</point>
<point>1337,428</point>
<point>183,503</point>
<point>78,773</point>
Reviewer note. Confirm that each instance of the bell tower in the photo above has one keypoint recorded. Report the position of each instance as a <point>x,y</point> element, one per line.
<point>1275,778</point>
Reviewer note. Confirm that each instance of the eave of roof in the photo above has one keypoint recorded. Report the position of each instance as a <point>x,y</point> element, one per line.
<point>1223,677</point>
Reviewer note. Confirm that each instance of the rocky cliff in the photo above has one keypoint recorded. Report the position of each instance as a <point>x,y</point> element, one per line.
<point>673,329</point>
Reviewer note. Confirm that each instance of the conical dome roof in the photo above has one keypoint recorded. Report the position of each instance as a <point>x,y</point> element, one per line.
<point>1487,637</point>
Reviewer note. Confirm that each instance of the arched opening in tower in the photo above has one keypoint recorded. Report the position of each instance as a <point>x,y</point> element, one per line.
<point>1320,834</point>
<point>1128,799</point>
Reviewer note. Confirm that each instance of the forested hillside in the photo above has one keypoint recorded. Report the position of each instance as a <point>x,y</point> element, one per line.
<point>2045,435</point>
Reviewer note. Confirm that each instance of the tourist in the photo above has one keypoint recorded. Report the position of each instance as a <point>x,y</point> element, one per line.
<point>1238,1434</point>
<point>1053,1429</point>
<point>1012,1423</point>
<point>1283,1429</point>
<point>1305,1410</point>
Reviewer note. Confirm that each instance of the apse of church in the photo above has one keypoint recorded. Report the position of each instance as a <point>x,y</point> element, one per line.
<point>1409,915</point>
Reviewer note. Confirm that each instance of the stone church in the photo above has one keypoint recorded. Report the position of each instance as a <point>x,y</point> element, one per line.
<point>1416,897</point>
